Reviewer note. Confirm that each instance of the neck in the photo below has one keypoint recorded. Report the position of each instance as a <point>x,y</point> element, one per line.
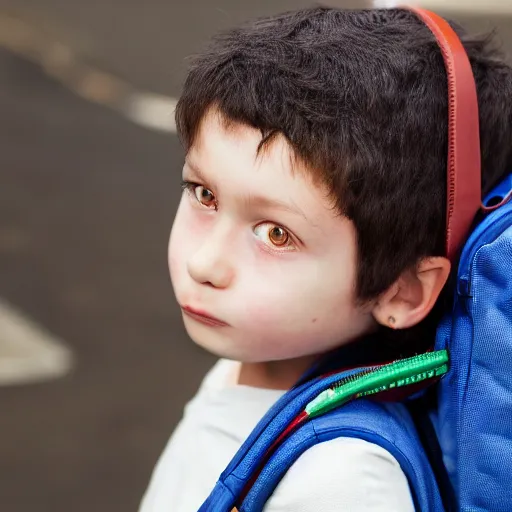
<point>274,374</point>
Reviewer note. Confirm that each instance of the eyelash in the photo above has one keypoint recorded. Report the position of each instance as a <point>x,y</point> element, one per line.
<point>190,186</point>
<point>186,185</point>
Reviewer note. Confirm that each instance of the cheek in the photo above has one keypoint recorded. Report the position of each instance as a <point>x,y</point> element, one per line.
<point>299,298</point>
<point>303,310</point>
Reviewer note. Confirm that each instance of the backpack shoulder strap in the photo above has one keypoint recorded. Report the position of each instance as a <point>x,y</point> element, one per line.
<point>311,413</point>
<point>387,425</point>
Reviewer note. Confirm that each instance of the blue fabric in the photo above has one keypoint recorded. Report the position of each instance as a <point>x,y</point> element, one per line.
<point>500,192</point>
<point>473,419</point>
<point>387,425</point>
<point>474,416</point>
<point>247,460</point>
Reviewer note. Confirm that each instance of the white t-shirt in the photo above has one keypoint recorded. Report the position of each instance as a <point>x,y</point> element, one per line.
<point>344,474</point>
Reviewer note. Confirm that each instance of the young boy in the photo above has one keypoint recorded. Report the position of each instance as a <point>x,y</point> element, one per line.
<point>313,218</point>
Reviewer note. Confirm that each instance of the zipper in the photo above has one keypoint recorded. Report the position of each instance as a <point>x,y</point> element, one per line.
<point>366,382</point>
<point>376,380</point>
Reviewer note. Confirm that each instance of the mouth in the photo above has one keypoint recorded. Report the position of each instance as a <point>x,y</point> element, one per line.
<point>203,317</point>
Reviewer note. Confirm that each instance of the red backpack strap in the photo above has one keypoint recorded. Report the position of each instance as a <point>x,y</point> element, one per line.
<point>464,159</point>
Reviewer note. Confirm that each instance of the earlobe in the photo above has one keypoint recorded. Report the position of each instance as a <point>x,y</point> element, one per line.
<point>384,311</point>
<point>411,298</point>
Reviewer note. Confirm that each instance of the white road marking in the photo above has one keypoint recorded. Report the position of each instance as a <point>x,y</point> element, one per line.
<point>145,108</point>
<point>29,353</point>
<point>59,61</point>
<point>153,111</point>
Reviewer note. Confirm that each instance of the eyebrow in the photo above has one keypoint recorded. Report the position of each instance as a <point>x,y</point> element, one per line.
<point>196,172</point>
<point>251,200</point>
<point>268,203</point>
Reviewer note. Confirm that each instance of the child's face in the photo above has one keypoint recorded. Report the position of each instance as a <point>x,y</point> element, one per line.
<point>262,250</point>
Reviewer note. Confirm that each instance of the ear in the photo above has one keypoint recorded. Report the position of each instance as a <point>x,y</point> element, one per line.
<point>411,298</point>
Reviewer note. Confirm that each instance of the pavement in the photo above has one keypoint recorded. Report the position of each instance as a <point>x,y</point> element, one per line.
<point>88,190</point>
<point>92,197</point>
<point>143,42</point>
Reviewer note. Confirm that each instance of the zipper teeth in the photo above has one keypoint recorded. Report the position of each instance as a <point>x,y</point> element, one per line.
<point>352,378</point>
<point>375,380</point>
<point>414,379</point>
<point>416,361</point>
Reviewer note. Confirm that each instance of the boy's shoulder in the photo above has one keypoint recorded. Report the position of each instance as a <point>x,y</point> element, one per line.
<point>344,474</point>
<point>352,472</point>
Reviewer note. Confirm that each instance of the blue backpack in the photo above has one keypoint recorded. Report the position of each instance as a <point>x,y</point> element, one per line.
<point>455,450</point>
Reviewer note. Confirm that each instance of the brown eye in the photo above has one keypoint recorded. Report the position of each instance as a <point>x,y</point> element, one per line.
<point>275,237</point>
<point>278,236</point>
<point>205,196</point>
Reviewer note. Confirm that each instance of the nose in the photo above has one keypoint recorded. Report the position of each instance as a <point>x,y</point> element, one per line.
<point>211,263</point>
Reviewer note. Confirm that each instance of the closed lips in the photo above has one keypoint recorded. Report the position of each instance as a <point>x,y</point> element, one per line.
<point>202,316</point>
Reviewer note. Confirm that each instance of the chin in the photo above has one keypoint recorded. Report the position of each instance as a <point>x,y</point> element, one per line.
<point>220,350</point>
<point>221,343</point>
<point>209,340</point>
<point>223,348</point>
<point>234,352</point>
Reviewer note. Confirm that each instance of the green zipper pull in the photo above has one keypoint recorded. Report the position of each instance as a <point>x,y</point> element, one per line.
<point>376,380</point>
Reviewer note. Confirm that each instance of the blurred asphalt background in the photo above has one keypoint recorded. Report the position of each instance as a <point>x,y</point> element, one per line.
<point>87,200</point>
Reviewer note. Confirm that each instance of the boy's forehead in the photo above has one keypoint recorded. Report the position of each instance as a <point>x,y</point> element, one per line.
<point>220,138</point>
<point>216,127</point>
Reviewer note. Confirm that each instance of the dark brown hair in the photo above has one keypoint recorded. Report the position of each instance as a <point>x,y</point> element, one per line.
<point>361,97</point>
